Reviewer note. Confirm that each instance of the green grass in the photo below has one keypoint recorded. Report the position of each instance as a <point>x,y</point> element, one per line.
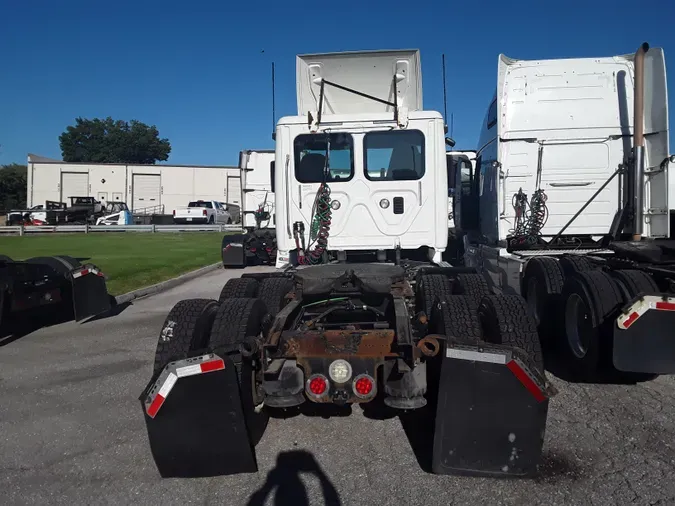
<point>130,260</point>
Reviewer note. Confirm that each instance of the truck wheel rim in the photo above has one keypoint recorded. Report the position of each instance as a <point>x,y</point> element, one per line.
<point>532,298</point>
<point>578,325</point>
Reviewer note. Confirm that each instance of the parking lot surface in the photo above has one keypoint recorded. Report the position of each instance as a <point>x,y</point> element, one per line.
<point>72,432</point>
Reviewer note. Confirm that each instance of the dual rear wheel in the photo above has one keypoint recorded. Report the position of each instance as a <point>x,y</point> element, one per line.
<point>574,303</point>
<point>197,326</point>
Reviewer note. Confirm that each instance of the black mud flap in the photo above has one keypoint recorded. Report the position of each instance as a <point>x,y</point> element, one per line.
<point>644,339</point>
<point>195,421</point>
<point>491,412</point>
<point>90,294</point>
<point>233,250</point>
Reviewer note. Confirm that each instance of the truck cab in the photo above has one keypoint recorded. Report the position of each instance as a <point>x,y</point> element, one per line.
<point>362,167</point>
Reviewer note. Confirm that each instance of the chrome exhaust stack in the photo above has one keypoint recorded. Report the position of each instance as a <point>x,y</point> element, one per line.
<point>638,142</point>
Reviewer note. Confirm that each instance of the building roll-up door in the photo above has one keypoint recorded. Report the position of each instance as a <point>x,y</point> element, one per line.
<point>74,184</point>
<point>147,193</point>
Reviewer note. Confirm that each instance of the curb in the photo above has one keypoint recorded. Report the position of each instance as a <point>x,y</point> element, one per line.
<point>165,285</point>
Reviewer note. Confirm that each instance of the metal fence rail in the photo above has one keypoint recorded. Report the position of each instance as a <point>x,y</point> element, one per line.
<point>69,229</point>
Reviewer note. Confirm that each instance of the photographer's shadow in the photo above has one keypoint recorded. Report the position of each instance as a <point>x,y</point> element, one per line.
<point>285,478</point>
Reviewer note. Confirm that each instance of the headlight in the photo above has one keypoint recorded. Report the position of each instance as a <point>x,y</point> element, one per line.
<point>335,205</point>
<point>384,203</point>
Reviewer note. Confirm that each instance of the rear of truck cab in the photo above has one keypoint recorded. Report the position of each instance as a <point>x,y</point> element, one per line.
<point>373,208</point>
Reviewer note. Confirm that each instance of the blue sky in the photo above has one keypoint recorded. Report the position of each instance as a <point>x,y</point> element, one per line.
<point>196,69</point>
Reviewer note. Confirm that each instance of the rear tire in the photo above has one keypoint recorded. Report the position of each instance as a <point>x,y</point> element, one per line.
<point>431,289</point>
<point>273,293</point>
<point>185,329</point>
<point>475,286</point>
<point>633,282</point>
<point>589,302</point>
<point>506,320</point>
<point>456,316</point>
<point>543,282</point>
<point>235,320</point>
<point>572,264</point>
<point>239,288</point>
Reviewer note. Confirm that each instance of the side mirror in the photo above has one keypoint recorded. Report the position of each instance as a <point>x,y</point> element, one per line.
<point>450,142</point>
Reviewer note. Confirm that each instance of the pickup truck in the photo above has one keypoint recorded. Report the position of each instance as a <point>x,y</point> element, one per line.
<point>202,211</point>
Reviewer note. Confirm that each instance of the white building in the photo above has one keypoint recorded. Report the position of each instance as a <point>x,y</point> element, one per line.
<point>161,187</point>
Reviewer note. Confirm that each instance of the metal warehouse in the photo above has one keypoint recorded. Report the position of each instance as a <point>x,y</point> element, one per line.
<point>161,188</point>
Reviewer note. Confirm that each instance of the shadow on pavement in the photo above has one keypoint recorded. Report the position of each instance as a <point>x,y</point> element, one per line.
<point>312,410</point>
<point>14,330</point>
<point>49,317</point>
<point>284,482</point>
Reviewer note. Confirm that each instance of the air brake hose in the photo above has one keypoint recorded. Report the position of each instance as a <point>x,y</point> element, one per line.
<point>319,228</point>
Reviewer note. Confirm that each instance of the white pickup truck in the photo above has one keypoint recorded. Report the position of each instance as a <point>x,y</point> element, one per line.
<point>202,211</point>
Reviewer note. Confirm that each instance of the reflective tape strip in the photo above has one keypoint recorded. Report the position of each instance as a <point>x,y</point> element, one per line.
<point>205,364</point>
<point>155,405</point>
<point>476,356</point>
<point>168,385</point>
<point>161,396</point>
<point>526,379</point>
<point>191,370</point>
<point>84,272</point>
<point>643,305</point>
<point>214,365</point>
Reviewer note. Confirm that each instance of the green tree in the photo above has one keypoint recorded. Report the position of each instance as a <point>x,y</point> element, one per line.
<point>12,186</point>
<point>113,141</point>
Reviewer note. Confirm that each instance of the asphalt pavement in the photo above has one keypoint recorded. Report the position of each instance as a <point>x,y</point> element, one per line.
<point>72,432</point>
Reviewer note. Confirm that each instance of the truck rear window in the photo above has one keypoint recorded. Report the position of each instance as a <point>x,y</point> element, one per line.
<point>394,155</point>
<point>310,157</point>
<point>207,205</point>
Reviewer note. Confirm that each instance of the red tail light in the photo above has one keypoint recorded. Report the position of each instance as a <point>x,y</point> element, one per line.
<point>364,386</point>
<point>204,212</point>
<point>317,385</point>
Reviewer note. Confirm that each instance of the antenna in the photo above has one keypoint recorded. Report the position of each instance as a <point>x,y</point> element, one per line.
<point>445,96</point>
<point>274,114</point>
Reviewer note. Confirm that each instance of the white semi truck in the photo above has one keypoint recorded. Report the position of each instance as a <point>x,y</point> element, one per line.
<point>570,206</point>
<point>362,309</point>
<point>257,243</point>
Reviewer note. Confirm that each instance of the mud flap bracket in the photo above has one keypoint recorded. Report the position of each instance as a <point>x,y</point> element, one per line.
<point>195,421</point>
<point>491,412</point>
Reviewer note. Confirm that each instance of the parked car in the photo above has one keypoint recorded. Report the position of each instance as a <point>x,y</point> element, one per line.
<point>201,212</point>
